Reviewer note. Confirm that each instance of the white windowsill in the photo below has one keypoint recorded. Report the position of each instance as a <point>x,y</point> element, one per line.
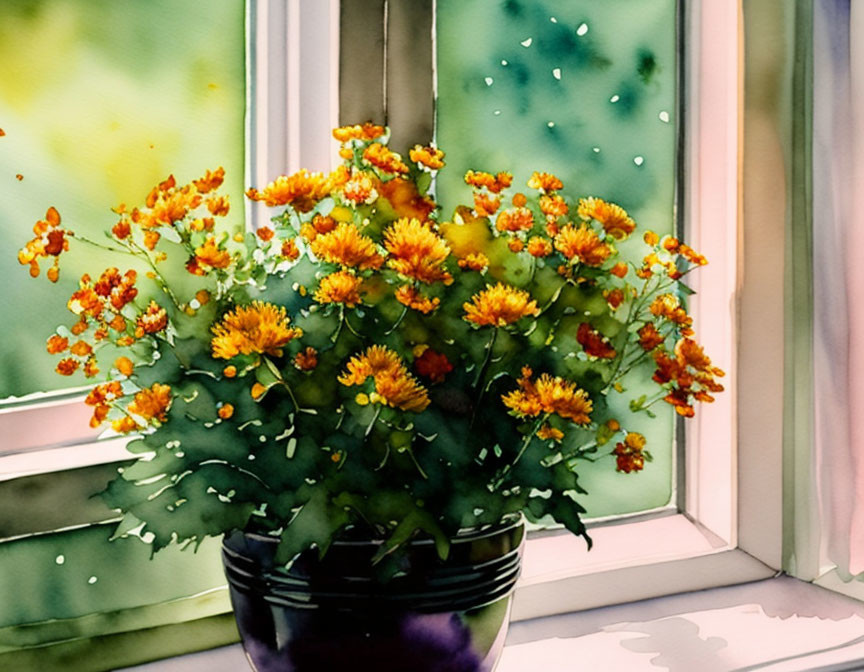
<point>778,625</point>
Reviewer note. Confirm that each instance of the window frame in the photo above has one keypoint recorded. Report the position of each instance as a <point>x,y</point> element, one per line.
<point>721,535</point>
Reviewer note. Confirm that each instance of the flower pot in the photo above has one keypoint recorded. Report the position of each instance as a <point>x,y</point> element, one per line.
<point>335,614</point>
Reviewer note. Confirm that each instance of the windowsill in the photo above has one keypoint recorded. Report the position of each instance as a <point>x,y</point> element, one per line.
<point>775,625</point>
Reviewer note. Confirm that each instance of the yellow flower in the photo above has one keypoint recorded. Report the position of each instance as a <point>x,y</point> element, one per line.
<point>548,432</point>
<point>394,386</point>
<point>414,299</point>
<point>474,261</point>
<point>124,366</point>
<point>260,328</point>
<point>345,245</point>
<point>257,391</point>
<point>549,396</point>
<point>582,244</point>
<point>499,306</point>
<point>416,251</point>
<point>301,191</point>
<point>340,287</point>
<point>152,403</point>
<point>367,131</point>
<point>615,220</point>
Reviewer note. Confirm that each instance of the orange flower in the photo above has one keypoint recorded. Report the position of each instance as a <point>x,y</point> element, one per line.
<point>499,306</point>
<point>259,328</point>
<point>229,371</point>
<point>218,206</point>
<point>301,191</point>
<point>367,131</point>
<point>519,200</point>
<point>151,321</point>
<point>265,233</point>
<point>553,206</point>
<point>416,251</point>
<point>225,411</point>
<point>691,374</point>
<point>152,403</point>
<point>49,240</point>
<point>85,301</point>
<point>615,220</point>
<point>651,238</point>
<point>549,396</point>
<point>582,244</point>
<point>90,367</point>
<point>124,366</point>
<point>56,344</point>
<point>360,189</point>
<point>545,182</point>
<point>433,365</point>
<point>345,245</point>
<point>210,181</point>
<point>547,432</point>
<point>649,337</point>
<point>340,287</point>
<point>382,158</point>
<point>514,219</point>
<point>516,245</point>
<point>307,359</point>
<point>430,157</point>
<point>594,343</point>
<point>210,254</point>
<point>539,247</point>
<point>629,455</point>
<point>494,183</point>
<point>614,297</point>
<point>412,298</point>
<point>619,270</point>
<point>667,306</point>
<point>485,205</point>
<point>67,366</point>
<point>691,255</point>
<point>122,229</point>
<point>474,261</point>
<point>124,425</point>
<point>289,249</point>
<point>394,386</point>
<point>81,349</point>
<point>120,290</point>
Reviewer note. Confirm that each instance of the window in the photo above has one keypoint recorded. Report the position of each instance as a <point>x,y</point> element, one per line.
<point>726,533</point>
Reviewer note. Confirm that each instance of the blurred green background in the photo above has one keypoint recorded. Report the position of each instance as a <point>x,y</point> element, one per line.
<point>100,100</point>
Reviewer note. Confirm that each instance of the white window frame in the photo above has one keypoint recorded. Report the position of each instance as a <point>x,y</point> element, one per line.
<point>730,528</point>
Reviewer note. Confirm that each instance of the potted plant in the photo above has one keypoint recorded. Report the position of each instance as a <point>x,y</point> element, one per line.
<point>365,397</point>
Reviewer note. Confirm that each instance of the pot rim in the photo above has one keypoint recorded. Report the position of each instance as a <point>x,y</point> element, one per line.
<point>509,523</point>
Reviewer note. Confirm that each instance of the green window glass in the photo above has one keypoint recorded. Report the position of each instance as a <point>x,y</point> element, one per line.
<point>99,101</point>
<point>585,90</point>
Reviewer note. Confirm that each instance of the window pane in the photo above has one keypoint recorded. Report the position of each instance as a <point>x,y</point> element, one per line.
<point>100,100</point>
<point>585,90</point>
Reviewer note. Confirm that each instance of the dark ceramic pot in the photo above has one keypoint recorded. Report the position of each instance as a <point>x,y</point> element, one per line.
<point>333,614</point>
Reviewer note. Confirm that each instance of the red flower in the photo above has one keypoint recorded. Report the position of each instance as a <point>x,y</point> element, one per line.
<point>433,365</point>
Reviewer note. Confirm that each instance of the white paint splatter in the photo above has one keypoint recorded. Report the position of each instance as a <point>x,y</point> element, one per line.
<point>582,29</point>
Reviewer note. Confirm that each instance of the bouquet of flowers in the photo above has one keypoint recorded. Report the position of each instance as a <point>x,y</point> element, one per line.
<point>364,362</point>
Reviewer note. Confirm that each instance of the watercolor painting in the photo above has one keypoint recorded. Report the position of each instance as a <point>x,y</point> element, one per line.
<point>573,150</point>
